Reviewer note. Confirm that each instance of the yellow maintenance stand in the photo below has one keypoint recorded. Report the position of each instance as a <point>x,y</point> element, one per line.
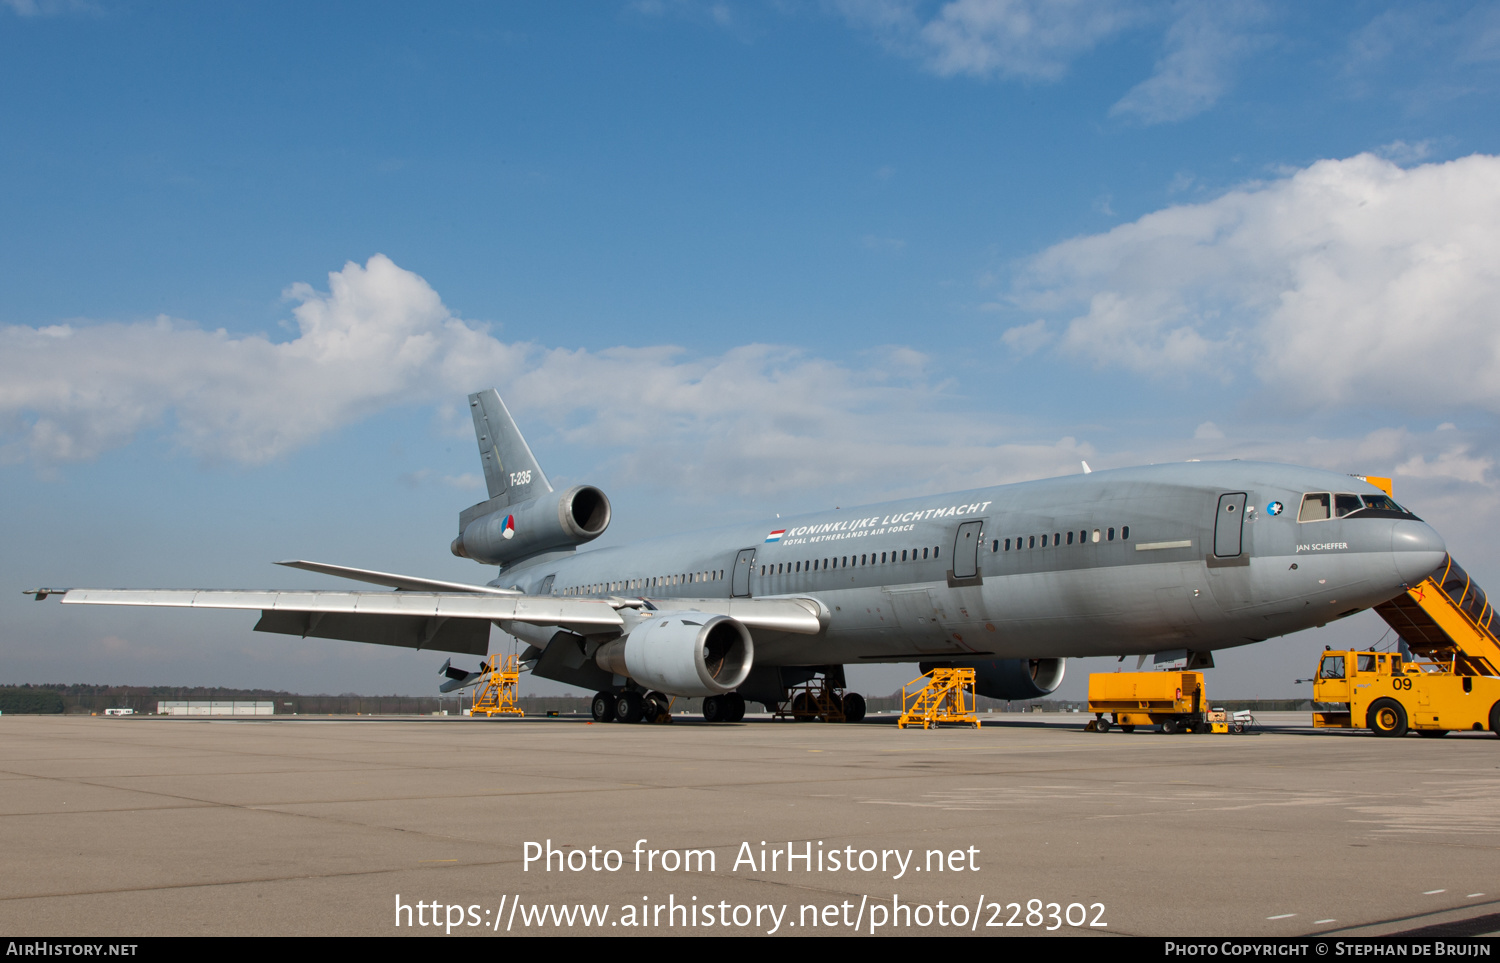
<point>1450,682</point>
<point>496,693</point>
<point>942,695</point>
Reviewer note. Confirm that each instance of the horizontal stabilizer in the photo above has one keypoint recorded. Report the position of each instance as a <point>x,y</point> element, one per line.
<point>406,583</point>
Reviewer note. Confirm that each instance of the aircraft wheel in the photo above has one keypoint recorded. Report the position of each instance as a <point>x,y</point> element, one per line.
<point>654,706</point>
<point>603,707</point>
<point>1432,733</point>
<point>1101,725</point>
<point>1386,718</point>
<point>629,707</point>
<point>713,709</point>
<point>734,706</point>
<point>1127,728</point>
<point>854,707</point>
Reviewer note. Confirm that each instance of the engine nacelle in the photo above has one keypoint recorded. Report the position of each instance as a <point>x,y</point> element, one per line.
<point>1010,678</point>
<point>556,520</point>
<point>682,653</point>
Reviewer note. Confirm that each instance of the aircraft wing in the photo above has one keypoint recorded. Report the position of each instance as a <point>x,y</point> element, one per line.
<point>447,622</point>
<point>444,621</point>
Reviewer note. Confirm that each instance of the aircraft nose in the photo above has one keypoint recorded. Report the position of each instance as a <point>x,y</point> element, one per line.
<point>1417,549</point>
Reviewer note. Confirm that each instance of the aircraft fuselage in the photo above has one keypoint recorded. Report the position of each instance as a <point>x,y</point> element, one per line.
<point>1196,556</point>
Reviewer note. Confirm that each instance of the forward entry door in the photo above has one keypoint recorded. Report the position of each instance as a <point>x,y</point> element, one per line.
<point>1229,525</point>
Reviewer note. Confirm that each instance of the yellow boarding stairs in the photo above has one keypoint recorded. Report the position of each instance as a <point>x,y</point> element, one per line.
<point>1447,619</point>
<point>942,695</point>
<point>496,693</point>
<point>1449,681</point>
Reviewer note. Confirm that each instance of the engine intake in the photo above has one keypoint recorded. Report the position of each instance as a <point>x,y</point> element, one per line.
<point>556,520</point>
<point>682,653</point>
<point>1010,678</point>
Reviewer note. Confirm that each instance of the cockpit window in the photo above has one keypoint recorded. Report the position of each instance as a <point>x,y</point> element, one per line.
<point>1320,506</point>
<point>1344,504</point>
<point>1314,507</point>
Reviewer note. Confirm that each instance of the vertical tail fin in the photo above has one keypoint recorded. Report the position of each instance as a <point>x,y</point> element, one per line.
<point>510,469</point>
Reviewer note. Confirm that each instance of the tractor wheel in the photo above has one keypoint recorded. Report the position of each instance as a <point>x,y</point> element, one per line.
<point>1386,718</point>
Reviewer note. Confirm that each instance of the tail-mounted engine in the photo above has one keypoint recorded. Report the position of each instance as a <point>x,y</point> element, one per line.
<point>501,534</point>
<point>682,653</point>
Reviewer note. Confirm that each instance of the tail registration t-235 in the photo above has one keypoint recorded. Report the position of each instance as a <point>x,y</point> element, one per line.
<point>1011,580</point>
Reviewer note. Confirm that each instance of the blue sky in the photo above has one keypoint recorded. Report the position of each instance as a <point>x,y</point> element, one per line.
<point>722,259</point>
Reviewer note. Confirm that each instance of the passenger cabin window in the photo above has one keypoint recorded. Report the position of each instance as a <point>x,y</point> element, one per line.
<point>1332,667</point>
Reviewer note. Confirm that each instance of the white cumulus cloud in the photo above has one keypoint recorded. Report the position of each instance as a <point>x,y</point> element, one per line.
<point>1348,282</point>
<point>379,336</point>
<point>754,418</point>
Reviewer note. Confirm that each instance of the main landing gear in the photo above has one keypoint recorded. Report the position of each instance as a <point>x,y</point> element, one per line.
<point>729,707</point>
<point>631,706</point>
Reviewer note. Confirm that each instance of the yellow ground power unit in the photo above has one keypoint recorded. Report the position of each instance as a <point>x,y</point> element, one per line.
<point>1176,701</point>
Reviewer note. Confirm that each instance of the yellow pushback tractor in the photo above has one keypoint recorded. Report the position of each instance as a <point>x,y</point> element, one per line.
<point>1449,682</point>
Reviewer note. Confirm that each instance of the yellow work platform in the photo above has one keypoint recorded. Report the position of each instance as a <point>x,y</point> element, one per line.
<point>496,693</point>
<point>942,695</point>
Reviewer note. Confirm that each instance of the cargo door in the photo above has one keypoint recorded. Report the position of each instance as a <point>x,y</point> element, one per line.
<point>920,617</point>
<point>743,563</point>
<point>1229,525</point>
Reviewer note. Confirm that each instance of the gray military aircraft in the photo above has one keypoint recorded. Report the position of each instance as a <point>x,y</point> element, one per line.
<point>1177,559</point>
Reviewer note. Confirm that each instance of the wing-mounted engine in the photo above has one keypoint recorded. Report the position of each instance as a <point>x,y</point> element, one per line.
<point>1010,678</point>
<point>682,653</point>
<point>555,521</point>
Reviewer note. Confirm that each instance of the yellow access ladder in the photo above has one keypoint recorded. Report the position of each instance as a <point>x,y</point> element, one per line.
<point>942,695</point>
<point>1447,619</point>
<point>496,695</point>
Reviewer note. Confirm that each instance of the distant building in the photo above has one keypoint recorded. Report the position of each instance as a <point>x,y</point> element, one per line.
<point>215,708</point>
